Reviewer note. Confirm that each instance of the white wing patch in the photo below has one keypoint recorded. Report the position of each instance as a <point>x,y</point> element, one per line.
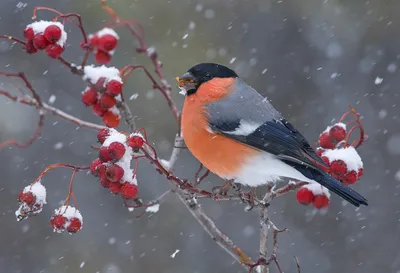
<point>245,128</point>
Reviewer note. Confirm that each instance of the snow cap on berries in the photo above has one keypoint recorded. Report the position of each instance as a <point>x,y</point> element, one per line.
<point>31,198</point>
<point>69,216</point>
<point>107,31</point>
<point>39,27</point>
<point>348,155</point>
<point>317,189</point>
<point>94,73</point>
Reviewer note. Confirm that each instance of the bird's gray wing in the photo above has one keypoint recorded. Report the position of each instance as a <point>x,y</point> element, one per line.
<point>249,118</point>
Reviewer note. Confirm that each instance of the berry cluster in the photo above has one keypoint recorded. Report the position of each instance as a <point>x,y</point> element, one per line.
<point>103,94</point>
<point>45,35</point>
<point>314,194</point>
<point>103,43</point>
<point>31,200</point>
<point>333,136</point>
<point>66,218</point>
<point>113,164</point>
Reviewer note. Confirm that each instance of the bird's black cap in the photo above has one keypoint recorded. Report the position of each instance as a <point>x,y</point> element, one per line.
<point>204,72</point>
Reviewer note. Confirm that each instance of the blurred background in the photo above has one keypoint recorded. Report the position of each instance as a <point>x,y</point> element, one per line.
<point>311,58</point>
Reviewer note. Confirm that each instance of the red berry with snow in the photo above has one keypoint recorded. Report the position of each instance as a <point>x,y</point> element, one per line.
<point>129,191</point>
<point>102,57</point>
<point>74,225</point>
<point>30,48</point>
<point>115,188</point>
<point>304,196</point>
<point>101,170</point>
<point>52,33</point>
<point>40,42</point>
<point>94,40</point>
<point>350,178</point>
<point>338,133</point>
<point>104,155</point>
<point>320,151</point>
<point>114,87</point>
<point>58,222</point>
<point>116,150</point>
<point>54,51</point>
<point>111,119</point>
<point>29,34</point>
<point>107,101</point>
<point>100,83</point>
<point>338,168</point>
<point>94,165</point>
<point>99,110</point>
<point>102,135</point>
<point>135,141</point>
<point>321,201</point>
<point>105,182</point>
<point>89,97</point>
<point>114,173</point>
<point>360,172</point>
<point>108,42</point>
<point>28,198</point>
<point>325,141</point>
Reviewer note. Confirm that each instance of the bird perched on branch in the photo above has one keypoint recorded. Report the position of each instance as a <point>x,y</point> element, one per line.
<point>238,135</point>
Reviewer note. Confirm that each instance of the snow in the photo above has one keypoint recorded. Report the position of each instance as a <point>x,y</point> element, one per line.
<point>58,146</point>
<point>317,189</point>
<point>69,213</point>
<point>40,26</point>
<point>38,190</point>
<point>52,99</point>
<point>154,208</point>
<point>82,265</point>
<point>378,80</point>
<point>94,73</point>
<point>107,31</point>
<point>349,155</point>
<point>134,96</point>
<point>115,110</point>
<point>174,254</point>
<point>114,135</point>
<point>340,124</point>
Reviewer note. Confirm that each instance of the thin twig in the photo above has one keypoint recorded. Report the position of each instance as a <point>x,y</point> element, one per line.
<point>297,264</point>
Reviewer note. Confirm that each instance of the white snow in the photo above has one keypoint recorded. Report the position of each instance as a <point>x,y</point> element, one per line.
<point>94,73</point>
<point>52,99</point>
<point>69,213</point>
<point>174,254</point>
<point>114,136</point>
<point>378,80</point>
<point>340,124</point>
<point>38,190</point>
<point>40,26</point>
<point>349,155</point>
<point>134,96</point>
<point>154,208</point>
<point>115,110</point>
<point>317,189</point>
<point>58,146</point>
<point>107,31</point>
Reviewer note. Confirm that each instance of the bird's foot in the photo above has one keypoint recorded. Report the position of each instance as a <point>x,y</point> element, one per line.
<point>249,198</point>
<point>223,190</point>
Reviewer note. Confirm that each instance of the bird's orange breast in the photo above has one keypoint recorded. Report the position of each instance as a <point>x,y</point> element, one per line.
<point>219,154</point>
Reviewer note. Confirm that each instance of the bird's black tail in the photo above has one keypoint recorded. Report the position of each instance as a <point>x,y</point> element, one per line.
<point>343,191</point>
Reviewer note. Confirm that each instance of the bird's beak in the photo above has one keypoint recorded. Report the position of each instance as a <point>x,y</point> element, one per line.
<point>186,82</point>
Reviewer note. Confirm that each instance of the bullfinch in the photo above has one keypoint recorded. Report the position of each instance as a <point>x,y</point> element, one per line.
<point>237,134</point>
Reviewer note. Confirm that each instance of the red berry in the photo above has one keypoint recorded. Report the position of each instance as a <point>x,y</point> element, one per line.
<point>350,178</point>
<point>116,150</point>
<point>54,51</point>
<point>114,173</point>
<point>29,34</point>
<point>30,48</point>
<point>52,33</point>
<point>101,170</point>
<point>326,160</point>
<point>108,42</point>
<point>107,101</point>
<point>321,201</point>
<point>94,40</point>
<point>360,172</point>
<point>40,42</point>
<point>129,191</point>
<point>20,194</point>
<point>135,142</point>
<point>89,97</point>
<point>115,188</point>
<point>325,141</point>
<point>28,198</point>
<point>74,225</point>
<point>338,133</point>
<point>304,196</point>
<point>99,110</point>
<point>105,182</point>
<point>110,119</point>
<point>338,168</point>
<point>320,151</point>
<point>93,166</point>
<point>102,57</point>
<point>58,222</point>
<point>102,135</point>
<point>104,155</point>
<point>114,87</point>
<point>100,84</point>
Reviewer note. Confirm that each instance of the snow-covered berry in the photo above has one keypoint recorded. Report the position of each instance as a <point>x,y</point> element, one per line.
<point>321,201</point>
<point>98,110</point>
<point>338,168</point>
<point>115,188</point>
<point>40,42</point>
<point>27,198</point>
<point>31,200</point>
<point>116,150</point>
<point>338,132</point>
<point>135,141</point>
<point>360,172</point>
<point>325,141</point>
<point>29,34</point>
<point>111,119</point>
<point>114,87</point>
<point>107,101</point>
<point>75,225</point>
<point>93,166</point>
<point>101,170</point>
<point>102,57</point>
<point>66,218</point>
<point>304,196</point>
<point>58,222</point>
<point>89,96</point>
<point>114,173</point>
<point>54,51</point>
<point>52,33</point>
<point>102,135</point>
<point>315,194</point>
<point>319,151</point>
<point>108,42</point>
<point>350,178</point>
<point>104,154</point>
<point>129,191</point>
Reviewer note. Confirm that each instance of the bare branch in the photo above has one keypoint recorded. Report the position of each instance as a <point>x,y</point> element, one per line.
<point>297,264</point>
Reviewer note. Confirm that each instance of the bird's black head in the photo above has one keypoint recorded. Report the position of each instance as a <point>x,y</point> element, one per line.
<point>201,73</point>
